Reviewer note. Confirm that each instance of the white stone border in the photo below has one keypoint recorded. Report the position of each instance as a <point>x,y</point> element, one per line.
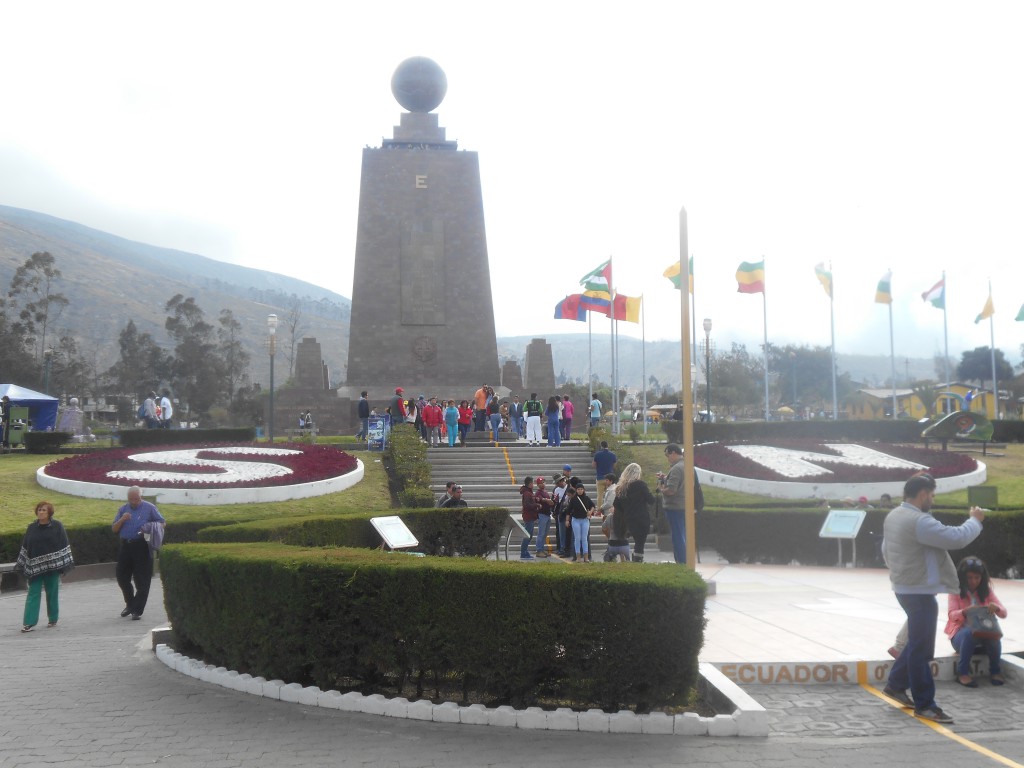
<point>205,496</point>
<point>748,719</point>
<point>779,489</point>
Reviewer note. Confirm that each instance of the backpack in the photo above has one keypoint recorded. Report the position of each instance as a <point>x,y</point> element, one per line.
<point>142,411</point>
<point>698,494</point>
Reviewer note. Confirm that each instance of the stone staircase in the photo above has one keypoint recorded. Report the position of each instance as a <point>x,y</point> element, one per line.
<point>491,475</point>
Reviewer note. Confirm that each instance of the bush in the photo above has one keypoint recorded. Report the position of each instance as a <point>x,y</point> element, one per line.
<point>405,459</point>
<point>783,536</point>
<point>462,531</point>
<point>456,629</point>
<point>45,442</point>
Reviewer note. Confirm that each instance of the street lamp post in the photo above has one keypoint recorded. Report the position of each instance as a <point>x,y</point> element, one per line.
<point>272,327</point>
<point>707,365</point>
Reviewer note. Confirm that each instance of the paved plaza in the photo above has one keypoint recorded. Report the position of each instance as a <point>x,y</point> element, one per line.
<point>91,693</point>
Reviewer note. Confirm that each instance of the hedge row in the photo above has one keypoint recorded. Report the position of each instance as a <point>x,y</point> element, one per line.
<point>405,460</point>
<point>45,442</point>
<point>458,629</point>
<point>898,431</point>
<point>783,537</point>
<point>466,531</point>
<point>136,438</point>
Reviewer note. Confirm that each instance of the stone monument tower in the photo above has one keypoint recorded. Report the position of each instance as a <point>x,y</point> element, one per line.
<point>422,314</point>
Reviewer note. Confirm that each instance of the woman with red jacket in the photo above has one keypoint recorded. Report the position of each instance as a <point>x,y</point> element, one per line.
<point>465,419</point>
<point>975,591</point>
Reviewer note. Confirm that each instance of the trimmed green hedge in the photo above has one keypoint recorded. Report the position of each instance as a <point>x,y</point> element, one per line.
<point>461,531</point>
<point>782,537</point>
<point>45,442</point>
<point>136,438</point>
<point>458,629</point>
<point>405,460</point>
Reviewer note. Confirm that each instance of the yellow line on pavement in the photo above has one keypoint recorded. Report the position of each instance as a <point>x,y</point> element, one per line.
<point>862,676</point>
<point>508,463</point>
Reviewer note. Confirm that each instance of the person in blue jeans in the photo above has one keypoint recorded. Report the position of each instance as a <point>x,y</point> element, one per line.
<point>673,494</point>
<point>530,513</point>
<point>976,593</point>
<point>545,504</point>
<point>494,416</point>
<point>554,426</point>
<point>915,547</point>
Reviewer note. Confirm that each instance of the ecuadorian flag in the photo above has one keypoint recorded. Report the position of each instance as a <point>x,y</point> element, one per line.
<point>883,294</point>
<point>750,277</point>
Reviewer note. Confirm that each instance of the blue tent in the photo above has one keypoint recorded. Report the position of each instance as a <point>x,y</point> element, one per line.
<point>42,409</point>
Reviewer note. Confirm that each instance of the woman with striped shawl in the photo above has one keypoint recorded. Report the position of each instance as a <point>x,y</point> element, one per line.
<point>45,555</point>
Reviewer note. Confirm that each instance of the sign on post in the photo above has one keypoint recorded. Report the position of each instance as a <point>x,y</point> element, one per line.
<point>843,524</point>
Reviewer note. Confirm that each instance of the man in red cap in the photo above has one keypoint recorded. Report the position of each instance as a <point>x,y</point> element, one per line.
<point>398,407</point>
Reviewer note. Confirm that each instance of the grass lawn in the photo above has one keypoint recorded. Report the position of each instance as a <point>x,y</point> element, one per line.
<point>1006,472</point>
<point>21,493</point>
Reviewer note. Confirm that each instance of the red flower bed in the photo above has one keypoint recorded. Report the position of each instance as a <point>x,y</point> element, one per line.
<point>716,457</point>
<point>309,464</point>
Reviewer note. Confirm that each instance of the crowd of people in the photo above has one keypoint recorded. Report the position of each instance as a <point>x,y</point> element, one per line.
<point>442,421</point>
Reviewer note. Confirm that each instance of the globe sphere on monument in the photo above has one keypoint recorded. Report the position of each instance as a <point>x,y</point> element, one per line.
<point>419,84</point>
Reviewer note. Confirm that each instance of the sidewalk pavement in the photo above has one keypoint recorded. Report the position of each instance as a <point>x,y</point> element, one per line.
<point>90,692</point>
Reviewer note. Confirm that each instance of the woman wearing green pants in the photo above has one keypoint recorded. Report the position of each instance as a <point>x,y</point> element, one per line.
<point>45,555</point>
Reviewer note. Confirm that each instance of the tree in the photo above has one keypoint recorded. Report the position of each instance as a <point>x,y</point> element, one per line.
<point>976,365</point>
<point>142,365</point>
<point>928,394</point>
<point>805,375</point>
<point>735,380</point>
<point>16,358</point>
<point>38,303</point>
<point>295,328</point>
<point>234,358</point>
<point>197,370</point>
<point>70,372</point>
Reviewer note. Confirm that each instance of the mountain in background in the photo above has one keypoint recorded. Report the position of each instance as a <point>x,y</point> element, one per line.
<point>110,280</point>
<point>661,359</point>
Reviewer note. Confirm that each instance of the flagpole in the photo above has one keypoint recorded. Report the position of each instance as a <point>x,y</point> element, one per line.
<point>764,302</point>
<point>992,349</point>
<point>892,359</point>
<point>615,372</point>
<point>643,356</point>
<point>945,332</point>
<point>590,358</point>
<point>832,312</point>
<point>684,340</point>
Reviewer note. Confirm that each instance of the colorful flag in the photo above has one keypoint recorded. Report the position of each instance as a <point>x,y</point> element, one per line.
<point>596,301</point>
<point>883,294</point>
<point>627,308</point>
<point>750,277</point>
<point>1020,315</point>
<point>825,276</point>
<point>600,279</point>
<point>569,309</point>
<point>672,273</point>
<point>987,312</point>
<point>936,294</point>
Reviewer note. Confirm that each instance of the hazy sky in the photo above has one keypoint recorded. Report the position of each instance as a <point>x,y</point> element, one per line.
<point>872,135</point>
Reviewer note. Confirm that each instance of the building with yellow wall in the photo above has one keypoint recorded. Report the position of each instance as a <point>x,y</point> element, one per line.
<point>877,403</point>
